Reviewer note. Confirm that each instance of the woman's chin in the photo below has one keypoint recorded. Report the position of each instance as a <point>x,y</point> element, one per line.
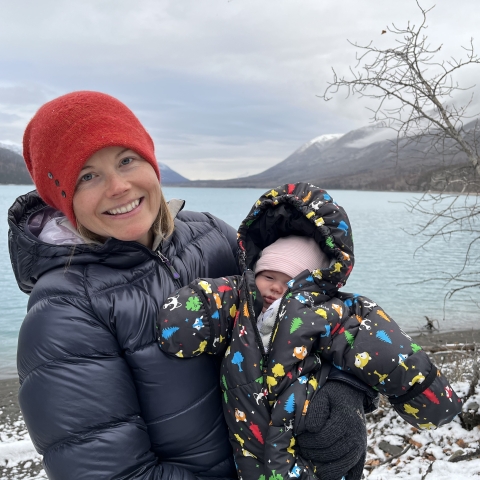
<point>143,237</point>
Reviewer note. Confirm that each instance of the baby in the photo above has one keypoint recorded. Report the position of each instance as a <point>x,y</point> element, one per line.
<point>278,264</point>
<point>274,324</point>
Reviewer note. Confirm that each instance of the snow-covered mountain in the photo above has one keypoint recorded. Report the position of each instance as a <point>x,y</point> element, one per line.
<point>365,158</point>
<point>321,142</point>
<point>169,176</point>
<point>14,147</point>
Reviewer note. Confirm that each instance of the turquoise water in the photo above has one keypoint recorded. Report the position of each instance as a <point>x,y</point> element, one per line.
<point>386,269</point>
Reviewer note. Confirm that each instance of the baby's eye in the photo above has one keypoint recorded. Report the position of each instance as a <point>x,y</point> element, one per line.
<point>126,161</point>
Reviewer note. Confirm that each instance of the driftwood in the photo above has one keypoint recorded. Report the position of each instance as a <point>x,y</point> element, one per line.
<point>450,347</point>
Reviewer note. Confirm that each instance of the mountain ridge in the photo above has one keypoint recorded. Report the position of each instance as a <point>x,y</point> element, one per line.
<point>367,158</point>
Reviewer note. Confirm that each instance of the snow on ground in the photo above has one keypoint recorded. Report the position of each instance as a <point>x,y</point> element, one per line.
<point>414,454</point>
<point>427,454</point>
<point>18,458</point>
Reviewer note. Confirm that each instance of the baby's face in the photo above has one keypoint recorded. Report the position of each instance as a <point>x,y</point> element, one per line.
<point>272,285</point>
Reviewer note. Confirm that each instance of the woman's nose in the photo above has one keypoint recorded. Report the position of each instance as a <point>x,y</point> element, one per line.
<point>116,185</point>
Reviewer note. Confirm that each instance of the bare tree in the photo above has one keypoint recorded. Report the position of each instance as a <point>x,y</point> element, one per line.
<point>417,95</point>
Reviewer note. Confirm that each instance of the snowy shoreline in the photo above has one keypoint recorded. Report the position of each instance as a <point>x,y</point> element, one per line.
<point>396,449</point>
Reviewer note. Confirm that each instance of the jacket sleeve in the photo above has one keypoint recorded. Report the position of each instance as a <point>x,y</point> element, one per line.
<point>199,318</point>
<point>77,395</point>
<point>369,344</point>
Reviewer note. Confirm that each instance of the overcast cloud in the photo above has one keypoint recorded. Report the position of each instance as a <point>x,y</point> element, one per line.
<point>225,87</point>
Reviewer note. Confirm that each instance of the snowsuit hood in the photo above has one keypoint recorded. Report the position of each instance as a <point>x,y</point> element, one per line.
<point>300,209</point>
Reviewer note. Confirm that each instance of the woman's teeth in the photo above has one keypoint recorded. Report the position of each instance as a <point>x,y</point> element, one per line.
<point>125,208</point>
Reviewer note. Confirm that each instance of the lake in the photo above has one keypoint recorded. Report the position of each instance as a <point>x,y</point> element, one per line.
<point>386,269</point>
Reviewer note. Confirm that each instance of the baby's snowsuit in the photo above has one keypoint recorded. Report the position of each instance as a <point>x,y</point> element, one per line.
<point>266,394</point>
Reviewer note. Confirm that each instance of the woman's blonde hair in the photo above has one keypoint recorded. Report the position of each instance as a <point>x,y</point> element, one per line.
<point>162,226</point>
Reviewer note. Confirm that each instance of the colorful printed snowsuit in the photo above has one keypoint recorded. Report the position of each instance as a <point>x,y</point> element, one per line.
<point>266,396</point>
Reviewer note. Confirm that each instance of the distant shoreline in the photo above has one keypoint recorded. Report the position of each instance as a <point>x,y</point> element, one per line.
<point>184,185</point>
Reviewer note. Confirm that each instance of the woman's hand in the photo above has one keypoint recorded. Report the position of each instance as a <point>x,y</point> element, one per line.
<point>336,436</point>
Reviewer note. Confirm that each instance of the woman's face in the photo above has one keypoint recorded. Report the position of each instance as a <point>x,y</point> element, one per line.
<point>118,195</point>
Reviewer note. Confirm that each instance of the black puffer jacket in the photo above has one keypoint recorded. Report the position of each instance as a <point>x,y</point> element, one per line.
<point>99,398</point>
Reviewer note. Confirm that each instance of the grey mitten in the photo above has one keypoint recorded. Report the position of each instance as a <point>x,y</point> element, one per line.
<point>335,439</point>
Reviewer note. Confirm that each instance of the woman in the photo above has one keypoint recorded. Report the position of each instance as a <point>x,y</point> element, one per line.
<point>99,398</point>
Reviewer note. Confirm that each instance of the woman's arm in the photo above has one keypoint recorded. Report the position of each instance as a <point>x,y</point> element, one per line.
<point>78,397</point>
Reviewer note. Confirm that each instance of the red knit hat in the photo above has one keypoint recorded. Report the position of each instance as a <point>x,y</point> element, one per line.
<point>67,131</point>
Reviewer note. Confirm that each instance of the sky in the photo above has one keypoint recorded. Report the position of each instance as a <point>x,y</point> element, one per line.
<point>226,88</point>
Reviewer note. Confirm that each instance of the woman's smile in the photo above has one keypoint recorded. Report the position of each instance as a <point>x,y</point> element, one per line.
<point>125,208</point>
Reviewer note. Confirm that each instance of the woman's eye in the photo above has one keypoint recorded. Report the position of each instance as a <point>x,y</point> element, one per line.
<point>87,177</point>
<point>126,161</point>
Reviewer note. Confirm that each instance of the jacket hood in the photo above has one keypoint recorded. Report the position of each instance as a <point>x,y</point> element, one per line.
<point>300,209</point>
<point>31,258</point>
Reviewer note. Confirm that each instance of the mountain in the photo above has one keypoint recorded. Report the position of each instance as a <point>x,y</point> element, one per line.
<point>363,159</point>
<point>14,171</point>
<point>12,167</point>
<point>169,176</point>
